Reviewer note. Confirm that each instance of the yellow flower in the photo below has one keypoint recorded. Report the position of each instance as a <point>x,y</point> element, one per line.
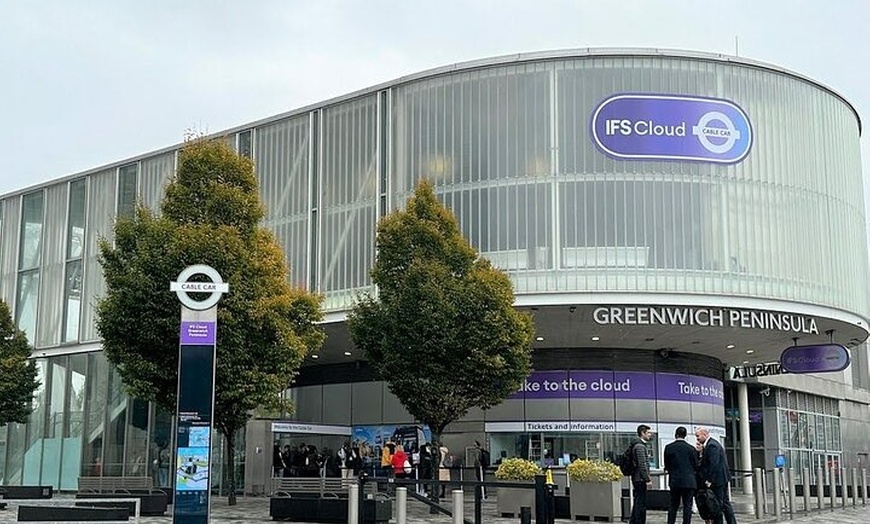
<point>517,469</point>
<point>582,470</point>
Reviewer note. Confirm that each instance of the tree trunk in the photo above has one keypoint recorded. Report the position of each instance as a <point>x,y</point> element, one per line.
<point>231,467</point>
<point>436,490</point>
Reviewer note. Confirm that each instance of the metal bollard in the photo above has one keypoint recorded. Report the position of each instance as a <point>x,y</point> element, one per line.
<point>863,486</point>
<point>458,507</point>
<point>401,505</point>
<point>791,494</point>
<point>820,487</point>
<point>525,515</point>
<point>758,476</point>
<point>854,486</point>
<point>832,485</point>
<point>353,504</point>
<point>805,479</point>
<point>843,488</point>
<point>777,492</point>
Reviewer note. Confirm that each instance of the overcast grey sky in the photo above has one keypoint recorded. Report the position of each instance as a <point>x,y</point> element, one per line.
<point>85,83</point>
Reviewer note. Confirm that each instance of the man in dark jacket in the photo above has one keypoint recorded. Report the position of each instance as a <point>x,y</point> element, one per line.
<point>640,479</point>
<point>713,472</point>
<point>681,463</point>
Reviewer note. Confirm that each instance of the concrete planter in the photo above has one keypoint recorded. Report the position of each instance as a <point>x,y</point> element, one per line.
<point>510,500</point>
<point>596,500</point>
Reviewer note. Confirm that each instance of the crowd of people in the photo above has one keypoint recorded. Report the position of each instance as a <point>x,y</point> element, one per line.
<point>425,462</point>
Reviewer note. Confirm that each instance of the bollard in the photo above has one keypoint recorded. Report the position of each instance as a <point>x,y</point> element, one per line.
<point>401,505</point>
<point>806,483</point>
<point>458,507</point>
<point>525,515</point>
<point>843,488</point>
<point>863,486</point>
<point>478,504</point>
<point>854,486</point>
<point>820,488</point>
<point>540,500</point>
<point>353,504</point>
<point>832,485</point>
<point>792,501</point>
<point>758,476</point>
<point>777,493</point>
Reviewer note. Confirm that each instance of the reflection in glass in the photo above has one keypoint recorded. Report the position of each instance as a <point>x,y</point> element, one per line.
<point>127,179</point>
<point>31,231</point>
<point>28,294</point>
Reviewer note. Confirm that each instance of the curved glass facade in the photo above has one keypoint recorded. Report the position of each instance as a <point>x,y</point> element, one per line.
<point>509,149</point>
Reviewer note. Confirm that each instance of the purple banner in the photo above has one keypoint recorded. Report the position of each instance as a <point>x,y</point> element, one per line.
<point>201,333</point>
<point>815,359</point>
<point>634,385</point>
<point>671,127</point>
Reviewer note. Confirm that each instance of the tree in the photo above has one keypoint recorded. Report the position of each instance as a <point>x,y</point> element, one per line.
<point>442,330</point>
<point>210,215</point>
<point>18,374</point>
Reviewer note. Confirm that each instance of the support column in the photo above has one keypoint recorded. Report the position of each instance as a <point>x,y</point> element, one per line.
<point>745,447</point>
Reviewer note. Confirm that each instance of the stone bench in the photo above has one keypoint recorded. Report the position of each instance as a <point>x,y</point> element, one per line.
<point>71,514</point>
<point>151,503</point>
<point>311,507</point>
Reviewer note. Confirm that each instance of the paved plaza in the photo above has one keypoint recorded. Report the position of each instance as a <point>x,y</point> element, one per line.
<point>256,510</point>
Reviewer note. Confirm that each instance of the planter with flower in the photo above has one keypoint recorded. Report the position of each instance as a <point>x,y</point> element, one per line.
<point>596,490</point>
<point>510,500</point>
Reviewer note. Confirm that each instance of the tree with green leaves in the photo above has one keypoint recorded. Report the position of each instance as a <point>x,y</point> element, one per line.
<point>442,330</point>
<point>18,373</point>
<point>210,215</point>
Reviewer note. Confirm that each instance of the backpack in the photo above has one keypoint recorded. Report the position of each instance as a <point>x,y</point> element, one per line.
<point>484,458</point>
<point>628,461</point>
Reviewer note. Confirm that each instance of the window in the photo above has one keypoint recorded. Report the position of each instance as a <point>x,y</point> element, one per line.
<point>127,180</point>
<point>245,143</point>
<point>75,237</point>
<point>30,256</point>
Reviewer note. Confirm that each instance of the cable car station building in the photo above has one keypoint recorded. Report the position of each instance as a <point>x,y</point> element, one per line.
<point>672,220</point>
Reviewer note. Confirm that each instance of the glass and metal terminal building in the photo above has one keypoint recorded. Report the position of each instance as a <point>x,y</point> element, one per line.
<point>673,221</point>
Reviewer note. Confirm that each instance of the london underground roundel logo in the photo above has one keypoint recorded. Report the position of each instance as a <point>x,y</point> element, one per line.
<point>671,127</point>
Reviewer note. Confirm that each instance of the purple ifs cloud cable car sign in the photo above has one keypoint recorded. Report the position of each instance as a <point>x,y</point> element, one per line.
<point>818,358</point>
<point>671,127</point>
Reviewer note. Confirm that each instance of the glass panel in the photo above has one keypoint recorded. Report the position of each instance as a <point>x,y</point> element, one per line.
<point>71,451</point>
<point>113,464</point>
<point>245,145</point>
<point>160,446</point>
<point>16,445</point>
<point>75,233</point>
<point>72,300</point>
<point>36,427</point>
<point>127,179</point>
<point>96,391</point>
<point>136,436</point>
<point>25,311</point>
<point>31,231</point>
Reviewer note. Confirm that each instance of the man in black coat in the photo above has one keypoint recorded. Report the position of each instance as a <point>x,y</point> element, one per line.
<point>681,463</point>
<point>713,472</point>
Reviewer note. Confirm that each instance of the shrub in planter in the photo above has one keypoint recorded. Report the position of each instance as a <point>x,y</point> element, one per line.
<point>510,500</point>
<point>517,469</point>
<point>596,490</point>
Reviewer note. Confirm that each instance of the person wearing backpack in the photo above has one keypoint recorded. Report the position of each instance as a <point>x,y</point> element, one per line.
<point>640,478</point>
<point>481,463</point>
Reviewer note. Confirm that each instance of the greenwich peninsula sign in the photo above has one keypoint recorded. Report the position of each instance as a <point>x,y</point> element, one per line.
<point>705,317</point>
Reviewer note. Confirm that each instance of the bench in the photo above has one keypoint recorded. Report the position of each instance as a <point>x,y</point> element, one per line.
<point>71,514</point>
<point>153,502</point>
<point>313,499</point>
<point>311,507</point>
<point>27,492</point>
<point>112,484</point>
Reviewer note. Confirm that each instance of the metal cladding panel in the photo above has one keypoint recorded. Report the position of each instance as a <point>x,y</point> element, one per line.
<point>101,221</point>
<point>282,163</point>
<point>154,175</point>
<point>9,253</point>
<point>51,288</point>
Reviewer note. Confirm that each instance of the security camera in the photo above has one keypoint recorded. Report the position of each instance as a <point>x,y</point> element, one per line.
<point>765,392</point>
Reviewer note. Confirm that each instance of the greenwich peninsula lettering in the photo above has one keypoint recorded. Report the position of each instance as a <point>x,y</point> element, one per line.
<point>705,317</point>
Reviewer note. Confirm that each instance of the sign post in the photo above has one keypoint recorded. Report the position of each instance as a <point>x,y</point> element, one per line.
<point>196,374</point>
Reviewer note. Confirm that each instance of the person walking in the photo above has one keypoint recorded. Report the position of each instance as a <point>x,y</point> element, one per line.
<point>640,479</point>
<point>713,472</point>
<point>480,465</point>
<point>681,463</point>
